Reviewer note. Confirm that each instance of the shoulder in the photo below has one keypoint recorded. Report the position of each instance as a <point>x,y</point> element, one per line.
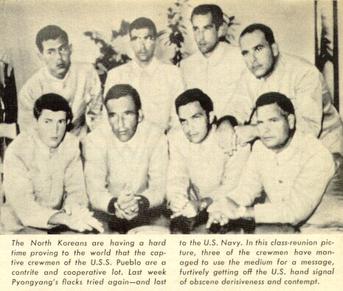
<point>22,146</point>
<point>313,147</point>
<point>298,64</point>
<point>120,69</point>
<point>98,136</point>
<point>191,60</point>
<point>150,132</point>
<point>33,83</point>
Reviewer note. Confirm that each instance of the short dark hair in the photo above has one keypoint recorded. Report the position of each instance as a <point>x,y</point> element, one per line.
<point>50,32</point>
<point>215,10</point>
<point>267,31</point>
<point>53,102</point>
<point>193,95</point>
<point>121,90</point>
<point>143,22</point>
<point>276,98</point>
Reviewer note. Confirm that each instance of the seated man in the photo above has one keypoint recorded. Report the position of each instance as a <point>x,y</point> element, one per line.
<point>43,178</point>
<point>125,161</point>
<point>199,170</point>
<point>291,168</point>
<point>78,83</point>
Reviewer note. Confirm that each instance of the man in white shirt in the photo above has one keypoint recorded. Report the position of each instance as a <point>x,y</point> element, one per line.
<point>43,177</point>
<point>216,66</point>
<point>158,84</point>
<point>199,171</point>
<point>293,169</point>
<point>268,70</point>
<point>125,162</point>
<point>77,82</point>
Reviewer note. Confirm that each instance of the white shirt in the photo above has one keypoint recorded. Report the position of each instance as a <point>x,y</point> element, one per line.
<point>139,164</point>
<point>294,180</point>
<point>204,166</point>
<point>216,75</point>
<point>158,85</point>
<point>39,181</point>
<point>304,85</point>
<point>80,87</point>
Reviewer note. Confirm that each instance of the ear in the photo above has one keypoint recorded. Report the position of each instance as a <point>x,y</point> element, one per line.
<point>275,49</point>
<point>221,30</point>
<point>211,117</point>
<point>70,47</point>
<point>140,115</point>
<point>291,121</point>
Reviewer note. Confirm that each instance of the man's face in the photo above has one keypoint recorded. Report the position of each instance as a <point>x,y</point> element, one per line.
<point>123,117</point>
<point>258,54</point>
<point>56,56</point>
<point>205,33</point>
<point>194,121</point>
<point>51,127</point>
<point>143,43</point>
<point>274,126</point>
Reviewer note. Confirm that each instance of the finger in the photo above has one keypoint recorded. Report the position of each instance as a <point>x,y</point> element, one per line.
<point>95,224</point>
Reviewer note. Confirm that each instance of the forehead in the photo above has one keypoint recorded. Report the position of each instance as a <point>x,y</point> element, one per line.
<point>142,32</point>
<point>200,20</point>
<point>268,111</point>
<point>124,103</point>
<point>49,114</point>
<point>190,109</point>
<point>53,43</point>
<point>252,39</point>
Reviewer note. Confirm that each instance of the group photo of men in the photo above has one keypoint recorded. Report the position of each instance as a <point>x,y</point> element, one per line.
<point>234,137</point>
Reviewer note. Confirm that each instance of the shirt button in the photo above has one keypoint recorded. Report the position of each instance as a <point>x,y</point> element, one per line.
<point>280,181</point>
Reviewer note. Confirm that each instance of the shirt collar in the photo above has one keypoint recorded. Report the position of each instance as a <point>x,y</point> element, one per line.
<point>217,55</point>
<point>292,148</point>
<point>51,77</point>
<point>150,68</point>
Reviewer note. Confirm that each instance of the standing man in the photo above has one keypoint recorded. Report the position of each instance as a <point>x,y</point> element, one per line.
<point>43,177</point>
<point>199,170</point>
<point>78,83</point>
<point>125,161</point>
<point>269,70</point>
<point>158,84</point>
<point>216,66</point>
<point>293,172</point>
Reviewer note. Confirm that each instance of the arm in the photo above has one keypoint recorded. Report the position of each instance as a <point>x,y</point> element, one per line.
<point>19,191</point>
<point>74,183</point>
<point>158,164</point>
<point>94,106</point>
<point>309,89</point>
<point>178,179</point>
<point>232,172</point>
<point>25,108</point>
<point>96,173</point>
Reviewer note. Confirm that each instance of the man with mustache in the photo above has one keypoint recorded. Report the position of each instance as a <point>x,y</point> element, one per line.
<point>157,83</point>
<point>77,82</point>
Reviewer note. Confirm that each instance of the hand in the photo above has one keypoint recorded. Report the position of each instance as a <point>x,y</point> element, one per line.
<point>83,220</point>
<point>226,137</point>
<point>245,134</point>
<point>226,207</point>
<point>190,209</point>
<point>216,217</point>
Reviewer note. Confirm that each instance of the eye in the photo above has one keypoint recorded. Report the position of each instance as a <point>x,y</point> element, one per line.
<point>259,48</point>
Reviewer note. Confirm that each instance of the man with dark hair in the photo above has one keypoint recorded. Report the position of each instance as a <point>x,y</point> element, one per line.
<point>125,162</point>
<point>293,173</point>
<point>78,83</point>
<point>43,177</point>
<point>157,83</point>
<point>216,66</point>
<point>199,170</point>
<point>268,70</point>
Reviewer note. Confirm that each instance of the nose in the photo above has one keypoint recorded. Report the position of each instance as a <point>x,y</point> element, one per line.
<point>121,122</point>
